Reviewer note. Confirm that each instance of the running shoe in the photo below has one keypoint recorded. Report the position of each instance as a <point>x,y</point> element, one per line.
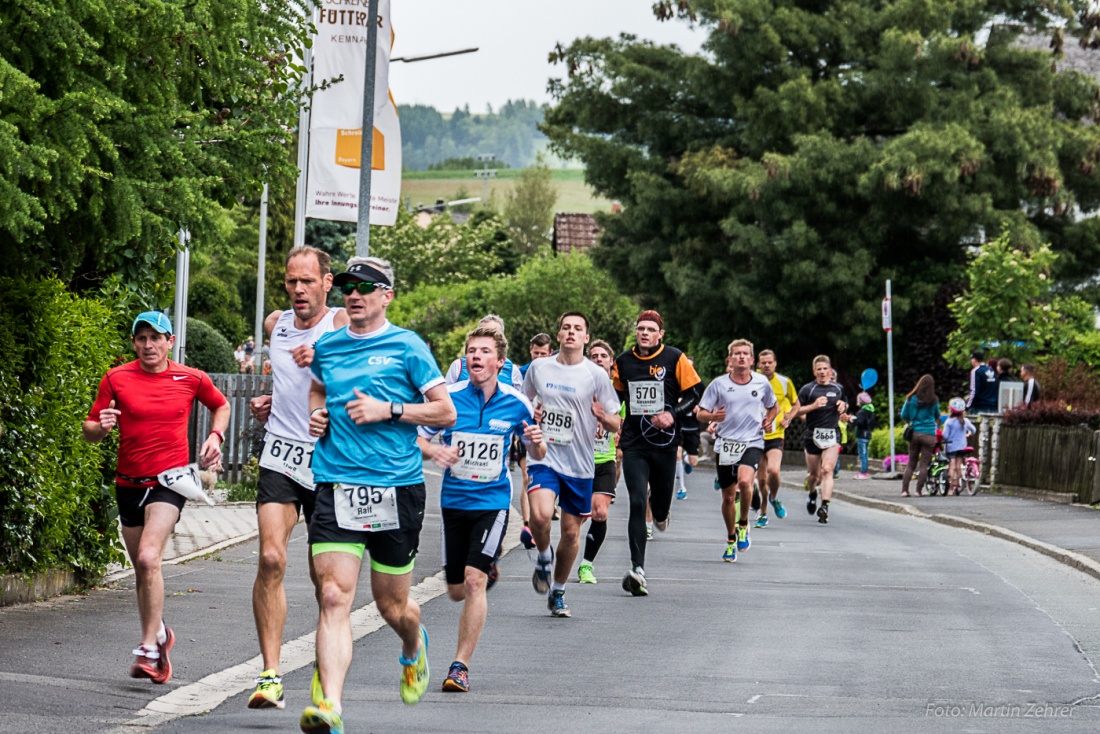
<point>681,494</point>
<point>662,525</point>
<point>717,486</point>
<point>458,678</point>
<point>585,574</point>
<point>649,531</point>
<point>634,582</point>
<point>755,503</point>
<point>494,575</point>
<point>164,665</point>
<point>268,693</point>
<point>541,578</point>
<point>556,604</point>
<point>316,693</point>
<point>811,502</point>
<point>321,718</point>
<point>145,662</point>
<point>414,673</point>
<point>526,538</point>
<point>823,514</point>
<point>688,468</point>
<point>761,521</point>
<point>862,475</point>
<point>780,510</point>
<point>730,556</point>
<point>743,542</point>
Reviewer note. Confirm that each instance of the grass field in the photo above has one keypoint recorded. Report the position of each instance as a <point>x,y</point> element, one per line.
<point>424,187</point>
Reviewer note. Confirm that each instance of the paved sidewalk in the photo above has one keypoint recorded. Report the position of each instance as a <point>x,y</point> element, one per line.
<point>1068,533</point>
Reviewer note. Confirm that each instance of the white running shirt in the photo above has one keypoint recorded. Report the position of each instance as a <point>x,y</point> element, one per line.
<point>290,392</point>
<point>566,393</point>
<point>746,405</point>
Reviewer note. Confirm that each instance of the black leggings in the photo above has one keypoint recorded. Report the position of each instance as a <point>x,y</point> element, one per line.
<point>653,470</point>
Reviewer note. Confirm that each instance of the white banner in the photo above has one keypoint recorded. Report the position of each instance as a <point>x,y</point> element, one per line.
<point>336,119</point>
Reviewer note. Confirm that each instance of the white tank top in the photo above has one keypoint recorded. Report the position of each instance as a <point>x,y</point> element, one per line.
<point>290,392</point>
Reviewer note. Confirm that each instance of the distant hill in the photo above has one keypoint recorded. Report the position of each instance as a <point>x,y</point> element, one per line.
<point>430,137</point>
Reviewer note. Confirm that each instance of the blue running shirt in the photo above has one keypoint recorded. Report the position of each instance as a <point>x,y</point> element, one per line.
<point>391,364</point>
<point>490,424</point>
<point>509,373</point>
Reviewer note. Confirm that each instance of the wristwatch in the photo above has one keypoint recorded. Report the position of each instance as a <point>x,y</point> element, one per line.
<point>396,411</point>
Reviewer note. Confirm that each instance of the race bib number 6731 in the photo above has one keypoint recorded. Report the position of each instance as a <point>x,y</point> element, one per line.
<point>290,458</point>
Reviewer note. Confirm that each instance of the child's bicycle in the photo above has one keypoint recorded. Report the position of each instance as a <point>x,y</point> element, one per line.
<point>939,481</point>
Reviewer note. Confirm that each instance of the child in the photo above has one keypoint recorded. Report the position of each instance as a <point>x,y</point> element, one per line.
<point>864,423</point>
<point>956,430</point>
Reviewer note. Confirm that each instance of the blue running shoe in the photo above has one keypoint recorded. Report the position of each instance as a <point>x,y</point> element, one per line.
<point>761,522</point>
<point>688,468</point>
<point>526,538</point>
<point>780,510</point>
<point>681,494</point>
<point>557,606</point>
<point>730,556</point>
<point>717,486</point>
<point>543,570</point>
<point>743,541</point>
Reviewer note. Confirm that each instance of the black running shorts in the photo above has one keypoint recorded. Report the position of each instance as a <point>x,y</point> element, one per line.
<point>281,489</point>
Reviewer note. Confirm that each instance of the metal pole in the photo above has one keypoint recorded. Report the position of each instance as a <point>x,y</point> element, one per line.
<point>261,274</point>
<point>181,327</point>
<point>366,155</point>
<point>177,316</point>
<point>890,379</point>
<point>303,156</point>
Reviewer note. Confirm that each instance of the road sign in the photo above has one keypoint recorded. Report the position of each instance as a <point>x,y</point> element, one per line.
<point>887,315</point>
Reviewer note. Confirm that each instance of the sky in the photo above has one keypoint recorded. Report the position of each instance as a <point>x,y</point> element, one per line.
<point>514,37</point>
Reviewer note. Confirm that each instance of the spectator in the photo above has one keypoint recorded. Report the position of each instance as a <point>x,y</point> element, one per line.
<point>956,431</point>
<point>864,423</point>
<point>983,386</point>
<point>239,355</point>
<point>1031,385</point>
<point>922,410</point>
<point>1005,371</point>
<point>250,347</point>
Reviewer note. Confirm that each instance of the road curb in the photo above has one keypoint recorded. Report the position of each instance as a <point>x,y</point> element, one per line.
<point>1070,558</point>
<point>228,543</point>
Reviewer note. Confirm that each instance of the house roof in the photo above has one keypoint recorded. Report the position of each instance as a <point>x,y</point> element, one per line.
<point>574,232</point>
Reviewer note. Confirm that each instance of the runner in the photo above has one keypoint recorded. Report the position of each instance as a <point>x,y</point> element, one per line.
<point>509,374</point>
<point>660,387</point>
<point>574,396</point>
<point>822,403</point>
<point>687,455</point>
<point>477,489</point>
<point>150,400</point>
<point>768,475</point>
<point>743,405</point>
<point>373,384</point>
<point>286,482</point>
<point>538,348</point>
<point>607,476</point>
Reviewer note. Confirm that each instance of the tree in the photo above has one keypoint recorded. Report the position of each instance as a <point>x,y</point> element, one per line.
<point>772,185</point>
<point>1009,304</point>
<point>529,208</point>
<point>121,123</point>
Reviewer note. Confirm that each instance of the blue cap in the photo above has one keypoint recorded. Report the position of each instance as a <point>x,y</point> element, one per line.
<point>156,319</point>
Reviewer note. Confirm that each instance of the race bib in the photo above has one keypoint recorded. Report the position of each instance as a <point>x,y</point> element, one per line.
<point>557,425</point>
<point>730,452</point>
<point>479,456</point>
<point>603,442</point>
<point>290,458</point>
<point>366,508</point>
<point>825,438</point>
<point>184,481</point>
<point>647,397</point>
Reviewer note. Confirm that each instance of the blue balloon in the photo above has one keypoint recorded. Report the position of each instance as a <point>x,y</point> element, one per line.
<point>869,378</point>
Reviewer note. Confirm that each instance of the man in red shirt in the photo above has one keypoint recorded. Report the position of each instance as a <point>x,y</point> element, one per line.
<point>150,400</point>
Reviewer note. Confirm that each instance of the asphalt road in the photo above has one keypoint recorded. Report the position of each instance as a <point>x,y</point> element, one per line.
<point>876,622</point>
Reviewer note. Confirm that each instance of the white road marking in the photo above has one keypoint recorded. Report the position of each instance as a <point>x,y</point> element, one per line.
<point>754,699</point>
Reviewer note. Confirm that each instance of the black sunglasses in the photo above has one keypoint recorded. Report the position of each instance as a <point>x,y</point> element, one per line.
<point>363,287</point>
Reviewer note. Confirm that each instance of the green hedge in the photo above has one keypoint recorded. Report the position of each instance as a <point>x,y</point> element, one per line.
<point>55,504</point>
<point>879,448</point>
<point>208,350</point>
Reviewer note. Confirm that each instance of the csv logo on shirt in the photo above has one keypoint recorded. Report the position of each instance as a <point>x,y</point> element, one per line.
<point>379,360</point>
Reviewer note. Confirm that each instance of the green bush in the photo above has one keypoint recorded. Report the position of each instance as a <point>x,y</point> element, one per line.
<point>207,350</point>
<point>879,448</point>
<point>55,501</point>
